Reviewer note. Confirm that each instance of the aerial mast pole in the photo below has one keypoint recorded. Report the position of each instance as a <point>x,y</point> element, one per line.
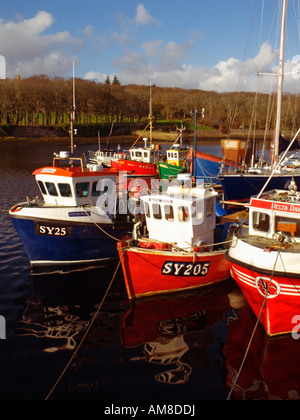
<point>280,81</point>
<point>73,110</point>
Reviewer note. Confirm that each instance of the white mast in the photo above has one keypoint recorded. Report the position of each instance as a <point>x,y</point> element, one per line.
<point>280,80</point>
<point>73,113</point>
<point>151,115</point>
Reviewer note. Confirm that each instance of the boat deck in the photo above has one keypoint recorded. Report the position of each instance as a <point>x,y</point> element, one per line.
<point>269,244</point>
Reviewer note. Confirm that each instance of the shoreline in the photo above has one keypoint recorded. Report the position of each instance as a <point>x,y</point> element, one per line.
<point>202,135</point>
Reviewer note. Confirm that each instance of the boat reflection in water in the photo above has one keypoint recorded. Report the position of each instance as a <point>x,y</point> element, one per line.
<point>182,333</point>
<point>271,370</point>
<point>185,345</point>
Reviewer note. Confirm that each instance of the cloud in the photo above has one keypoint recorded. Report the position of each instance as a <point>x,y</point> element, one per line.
<point>97,76</point>
<point>234,75</point>
<point>168,69</point>
<point>143,17</point>
<point>26,46</point>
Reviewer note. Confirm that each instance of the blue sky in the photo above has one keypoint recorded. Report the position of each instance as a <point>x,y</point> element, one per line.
<point>194,44</point>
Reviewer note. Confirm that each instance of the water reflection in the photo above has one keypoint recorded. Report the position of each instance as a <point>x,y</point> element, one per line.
<point>271,370</point>
<point>182,333</point>
<point>62,304</point>
<point>188,339</point>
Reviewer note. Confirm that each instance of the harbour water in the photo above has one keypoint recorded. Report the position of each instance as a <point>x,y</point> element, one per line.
<point>185,347</point>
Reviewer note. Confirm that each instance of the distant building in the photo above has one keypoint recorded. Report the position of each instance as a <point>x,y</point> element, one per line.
<point>2,67</point>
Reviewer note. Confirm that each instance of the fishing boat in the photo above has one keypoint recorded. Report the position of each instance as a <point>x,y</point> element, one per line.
<point>76,222</point>
<point>179,252</point>
<point>103,156</point>
<point>176,158</point>
<point>242,182</point>
<point>264,259</point>
<point>140,162</point>
<point>209,167</point>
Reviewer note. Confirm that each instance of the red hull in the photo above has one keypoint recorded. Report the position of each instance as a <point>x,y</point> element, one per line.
<point>282,305</point>
<point>149,272</point>
<point>135,168</point>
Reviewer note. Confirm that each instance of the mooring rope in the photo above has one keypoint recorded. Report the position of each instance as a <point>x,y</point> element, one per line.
<point>85,334</point>
<point>254,331</point>
<point>99,227</point>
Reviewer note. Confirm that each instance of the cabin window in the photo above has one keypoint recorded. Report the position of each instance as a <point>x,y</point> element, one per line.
<point>197,211</point>
<point>65,190</point>
<point>156,209</point>
<point>82,189</point>
<point>183,214</point>
<point>169,213</point>
<point>288,225</point>
<point>147,209</point>
<point>209,208</point>
<point>261,221</point>
<point>51,189</point>
<point>145,154</point>
<point>42,187</point>
<point>95,192</point>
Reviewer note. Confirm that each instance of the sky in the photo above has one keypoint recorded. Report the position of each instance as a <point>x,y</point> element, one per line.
<point>196,44</point>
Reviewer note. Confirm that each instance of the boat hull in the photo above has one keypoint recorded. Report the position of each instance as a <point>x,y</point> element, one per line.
<point>274,298</point>
<point>243,186</point>
<point>135,168</point>
<point>56,243</point>
<point>148,272</point>
<point>208,167</point>
<point>168,171</point>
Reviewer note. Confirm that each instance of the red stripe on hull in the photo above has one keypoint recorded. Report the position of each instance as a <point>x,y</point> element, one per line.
<point>153,272</point>
<point>282,304</point>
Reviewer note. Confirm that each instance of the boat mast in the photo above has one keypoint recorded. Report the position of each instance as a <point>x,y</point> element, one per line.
<point>151,115</point>
<point>195,147</point>
<point>73,113</point>
<point>280,81</point>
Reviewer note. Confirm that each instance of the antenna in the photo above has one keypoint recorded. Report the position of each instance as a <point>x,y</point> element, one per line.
<point>151,109</point>
<point>73,110</point>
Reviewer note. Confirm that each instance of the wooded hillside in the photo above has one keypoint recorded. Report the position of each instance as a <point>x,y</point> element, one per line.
<point>39,100</point>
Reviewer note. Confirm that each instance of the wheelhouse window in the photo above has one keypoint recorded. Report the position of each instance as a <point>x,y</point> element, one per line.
<point>51,189</point>
<point>288,225</point>
<point>183,214</point>
<point>65,190</point>
<point>261,222</point>
<point>95,191</point>
<point>82,189</point>
<point>209,208</point>
<point>156,209</point>
<point>42,187</point>
<point>197,211</point>
<point>147,209</point>
<point>169,213</point>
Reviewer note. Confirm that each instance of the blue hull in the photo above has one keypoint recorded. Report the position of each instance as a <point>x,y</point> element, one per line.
<point>82,243</point>
<point>208,170</point>
<point>242,187</point>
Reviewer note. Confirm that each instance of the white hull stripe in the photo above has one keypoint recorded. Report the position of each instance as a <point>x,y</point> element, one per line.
<point>285,289</point>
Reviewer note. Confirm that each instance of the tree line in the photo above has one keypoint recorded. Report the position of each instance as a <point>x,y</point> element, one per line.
<point>39,100</point>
